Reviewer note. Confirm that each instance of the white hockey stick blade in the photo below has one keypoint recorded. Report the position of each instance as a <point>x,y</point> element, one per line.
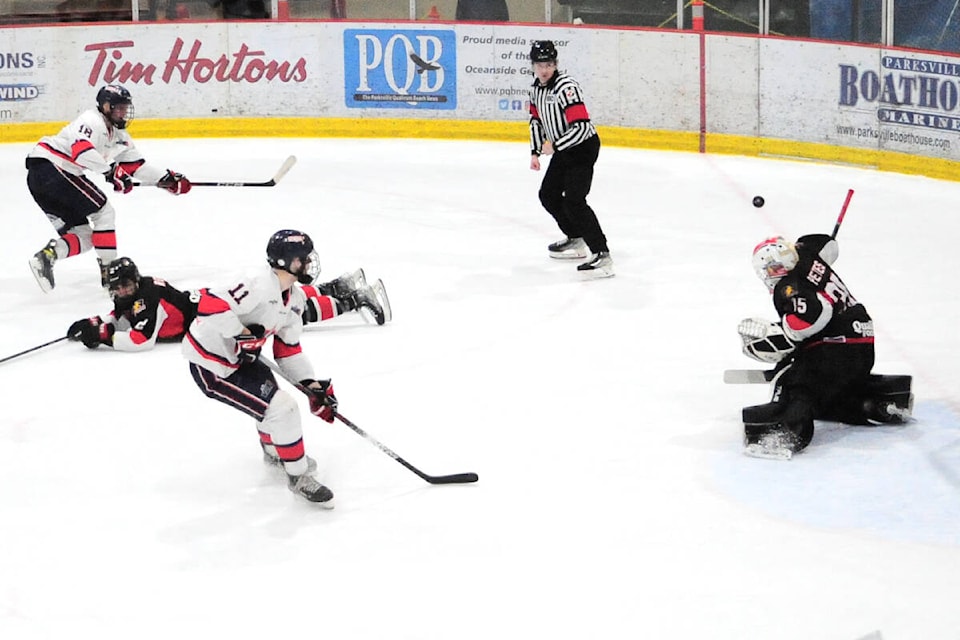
<point>747,376</point>
<point>282,171</point>
<point>284,168</point>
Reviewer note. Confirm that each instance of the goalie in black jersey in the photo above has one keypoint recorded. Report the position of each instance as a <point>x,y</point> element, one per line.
<point>823,348</point>
<point>148,310</point>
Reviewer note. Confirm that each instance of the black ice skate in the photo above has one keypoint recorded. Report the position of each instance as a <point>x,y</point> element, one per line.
<point>599,266</point>
<point>344,285</point>
<point>41,264</point>
<point>372,303</point>
<point>103,273</point>
<point>568,249</point>
<point>306,485</point>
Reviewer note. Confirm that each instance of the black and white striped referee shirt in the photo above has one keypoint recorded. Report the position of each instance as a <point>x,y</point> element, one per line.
<point>558,114</point>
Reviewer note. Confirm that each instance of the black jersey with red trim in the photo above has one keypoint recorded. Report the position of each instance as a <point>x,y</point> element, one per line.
<point>158,313</point>
<point>814,304</point>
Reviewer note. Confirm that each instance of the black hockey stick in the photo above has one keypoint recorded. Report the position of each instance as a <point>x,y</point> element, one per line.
<point>39,346</point>
<point>454,478</point>
<point>282,171</point>
<point>843,212</point>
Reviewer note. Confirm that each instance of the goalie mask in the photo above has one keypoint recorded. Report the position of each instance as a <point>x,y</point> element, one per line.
<point>286,246</point>
<point>772,259</point>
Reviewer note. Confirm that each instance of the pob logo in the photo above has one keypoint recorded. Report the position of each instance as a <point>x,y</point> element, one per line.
<point>400,69</point>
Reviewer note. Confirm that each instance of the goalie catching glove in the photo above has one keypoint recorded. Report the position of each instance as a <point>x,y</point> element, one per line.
<point>764,341</point>
<point>323,403</point>
<point>175,183</point>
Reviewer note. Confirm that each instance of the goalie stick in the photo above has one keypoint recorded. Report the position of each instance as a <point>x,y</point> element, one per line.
<point>747,376</point>
<point>272,182</point>
<point>454,478</point>
<point>843,212</point>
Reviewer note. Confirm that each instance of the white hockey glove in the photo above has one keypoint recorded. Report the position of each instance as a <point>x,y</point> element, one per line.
<point>764,341</point>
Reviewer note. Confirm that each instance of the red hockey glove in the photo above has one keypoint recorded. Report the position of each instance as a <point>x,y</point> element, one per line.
<point>175,183</point>
<point>249,344</point>
<point>323,403</point>
<point>92,332</point>
<point>121,180</point>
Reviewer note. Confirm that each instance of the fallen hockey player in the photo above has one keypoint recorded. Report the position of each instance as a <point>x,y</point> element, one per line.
<point>147,309</point>
<point>823,349</point>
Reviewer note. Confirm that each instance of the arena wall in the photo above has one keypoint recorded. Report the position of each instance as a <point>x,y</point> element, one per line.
<point>866,105</point>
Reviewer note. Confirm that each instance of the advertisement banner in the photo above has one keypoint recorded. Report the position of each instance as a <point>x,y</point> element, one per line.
<point>859,97</point>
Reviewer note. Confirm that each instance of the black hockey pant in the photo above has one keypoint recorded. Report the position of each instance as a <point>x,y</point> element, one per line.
<point>65,198</point>
<point>826,382</point>
<point>564,190</point>
<point>249,389</point>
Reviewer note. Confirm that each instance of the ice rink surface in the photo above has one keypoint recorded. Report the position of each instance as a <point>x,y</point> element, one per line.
<point>614,498</point>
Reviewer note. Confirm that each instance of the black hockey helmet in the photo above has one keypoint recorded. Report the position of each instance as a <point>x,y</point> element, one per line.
<point>286,246</point>
<point>543,51</point>
<point>115,95</point>
<point>122,273</point>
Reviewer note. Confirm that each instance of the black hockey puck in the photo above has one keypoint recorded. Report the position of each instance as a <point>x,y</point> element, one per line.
<point>758,201</point>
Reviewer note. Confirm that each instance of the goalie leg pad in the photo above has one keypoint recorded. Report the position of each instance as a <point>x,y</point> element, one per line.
<point>889,400</point>
<point>878,383</point>
<point>759,420</point>
<point>777,428</point>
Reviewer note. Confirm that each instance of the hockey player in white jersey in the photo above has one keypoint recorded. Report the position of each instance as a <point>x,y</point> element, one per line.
<point>223,346</point>
<point>97,141</point>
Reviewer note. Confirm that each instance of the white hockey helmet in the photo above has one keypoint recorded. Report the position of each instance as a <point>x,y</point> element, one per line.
<point>774,258</point>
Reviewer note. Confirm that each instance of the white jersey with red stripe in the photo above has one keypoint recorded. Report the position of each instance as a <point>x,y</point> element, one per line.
<point>223,313</point>
<point>88,143</point>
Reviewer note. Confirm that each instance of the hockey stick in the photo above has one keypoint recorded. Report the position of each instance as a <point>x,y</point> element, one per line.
<point>282,171</point>
<point>843,212</point>
<point>39,346</point>
<point>747,376</point>
<point>454,478</point>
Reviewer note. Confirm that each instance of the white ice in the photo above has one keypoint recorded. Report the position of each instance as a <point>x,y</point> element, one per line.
<point>614,499</point>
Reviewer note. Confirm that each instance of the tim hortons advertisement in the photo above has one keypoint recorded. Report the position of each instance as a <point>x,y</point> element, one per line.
<point>190,71</point>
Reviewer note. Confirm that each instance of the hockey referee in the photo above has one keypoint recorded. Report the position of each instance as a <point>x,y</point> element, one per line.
<point>560,126</point>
